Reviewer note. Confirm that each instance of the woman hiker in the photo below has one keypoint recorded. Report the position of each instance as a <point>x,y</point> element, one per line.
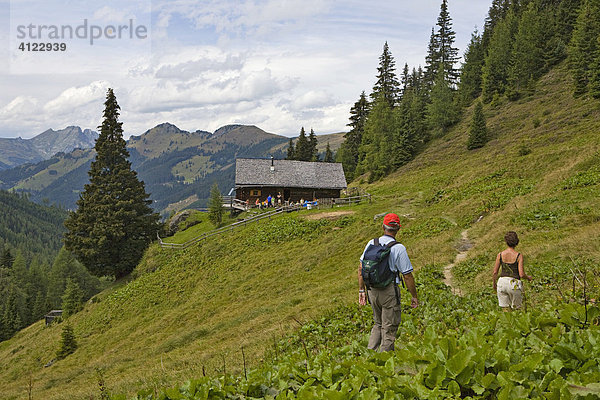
<point>509,286</point>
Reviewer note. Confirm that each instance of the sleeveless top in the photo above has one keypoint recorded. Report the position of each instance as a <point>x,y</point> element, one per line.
<point>511,270</point>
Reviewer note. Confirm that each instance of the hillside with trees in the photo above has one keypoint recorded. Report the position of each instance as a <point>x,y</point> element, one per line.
<point>33,268</point>
<point>521,41</point>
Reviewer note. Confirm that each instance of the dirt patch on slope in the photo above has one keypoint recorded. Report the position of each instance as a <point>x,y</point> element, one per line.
<point>329,215</point>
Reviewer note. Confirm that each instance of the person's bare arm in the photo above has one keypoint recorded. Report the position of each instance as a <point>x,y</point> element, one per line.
<point>362,295</point>
<point>495,273</point>
<point>522,273</point>
<point>409,279</point>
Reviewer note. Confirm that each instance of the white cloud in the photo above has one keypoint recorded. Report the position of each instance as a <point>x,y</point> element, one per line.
<point>279,64</point>
<point>19,107</point>
<point>77,97</point>
<point>112,15</point>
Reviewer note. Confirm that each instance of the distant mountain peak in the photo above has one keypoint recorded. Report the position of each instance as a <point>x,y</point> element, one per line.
<point>228,128</point>
<point>15,152</point>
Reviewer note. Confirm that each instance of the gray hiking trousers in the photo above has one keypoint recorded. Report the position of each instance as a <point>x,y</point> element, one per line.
<point>386,314</point>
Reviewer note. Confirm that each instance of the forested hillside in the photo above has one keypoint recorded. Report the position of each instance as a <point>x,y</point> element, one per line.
<point>521,41</point>
<point>33,275</point>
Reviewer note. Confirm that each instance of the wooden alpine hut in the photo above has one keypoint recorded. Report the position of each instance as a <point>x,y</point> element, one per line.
<point>257,178</point>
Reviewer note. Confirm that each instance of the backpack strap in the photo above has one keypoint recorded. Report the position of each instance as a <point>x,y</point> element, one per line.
<point>376,241</point>
<point>400,278</point>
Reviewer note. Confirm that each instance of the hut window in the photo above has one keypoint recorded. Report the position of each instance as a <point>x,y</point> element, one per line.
<point>255,193</point>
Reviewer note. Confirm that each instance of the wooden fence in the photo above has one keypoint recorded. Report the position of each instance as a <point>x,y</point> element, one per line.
<point>321,204</point>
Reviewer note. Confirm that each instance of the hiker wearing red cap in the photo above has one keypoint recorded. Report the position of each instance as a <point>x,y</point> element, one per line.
<point>381,264</point>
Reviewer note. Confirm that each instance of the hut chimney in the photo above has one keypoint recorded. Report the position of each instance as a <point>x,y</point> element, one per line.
<point>272,164</point>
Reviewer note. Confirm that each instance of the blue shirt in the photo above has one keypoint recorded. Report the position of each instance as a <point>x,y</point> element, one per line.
<point>398,261</point>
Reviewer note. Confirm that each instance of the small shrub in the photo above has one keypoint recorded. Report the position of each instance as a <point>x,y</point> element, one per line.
<point>536,122</point>
<point>524,150</point>
<point>68,344</point>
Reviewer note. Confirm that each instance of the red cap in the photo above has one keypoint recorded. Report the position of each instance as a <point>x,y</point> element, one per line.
<point>392,220</point>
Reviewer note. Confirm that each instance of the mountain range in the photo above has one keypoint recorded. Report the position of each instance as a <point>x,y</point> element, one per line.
<point>15,152</point>
<point>178,167</point>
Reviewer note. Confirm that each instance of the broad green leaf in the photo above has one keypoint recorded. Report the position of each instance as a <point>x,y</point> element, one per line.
<point>436,374</point>
<point>454,388</point>
<point>591,388</point>
<point>556,365</point>
<point>458,362</point>
<point>489,381</point>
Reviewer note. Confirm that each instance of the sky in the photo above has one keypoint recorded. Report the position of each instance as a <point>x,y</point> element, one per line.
<point>277,64</point>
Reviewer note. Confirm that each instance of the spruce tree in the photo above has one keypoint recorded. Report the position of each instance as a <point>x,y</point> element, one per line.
<point>432,59</point>
<point>496,13</point>
<point>113,223</point>
<point>470,77</point>
<point>448,55</point>
<point>66,267</point>
<point>40,308</point>
<point>595,74</point>
<point>527,58</point>
<point>328,154</point>
<point>584,48</point>
<point>290,150</point>
<point>495,69</point>
<point>313,142</point>
<point>72,298</point>
<point>404,80</point>
<point>478,131</point>
<point>215,205</point>
<point>387,84</point>
<point>68,343</point>
<point>7,259</point>
<point>348,153</point>
<point>442,111</point>
<point>382,148</point>
<point>303,151</point>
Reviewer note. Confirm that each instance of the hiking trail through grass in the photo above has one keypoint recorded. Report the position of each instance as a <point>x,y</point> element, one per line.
<point>463,248</point>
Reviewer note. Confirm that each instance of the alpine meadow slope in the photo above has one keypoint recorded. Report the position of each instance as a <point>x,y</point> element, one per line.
<point>187,313</point>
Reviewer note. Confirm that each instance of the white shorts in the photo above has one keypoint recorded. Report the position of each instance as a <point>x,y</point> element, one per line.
<point>510,292</point>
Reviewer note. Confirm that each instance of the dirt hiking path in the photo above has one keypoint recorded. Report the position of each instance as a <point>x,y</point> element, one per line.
<point>463,248</point>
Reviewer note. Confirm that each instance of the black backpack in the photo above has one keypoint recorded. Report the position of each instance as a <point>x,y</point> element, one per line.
<point>376,271</point>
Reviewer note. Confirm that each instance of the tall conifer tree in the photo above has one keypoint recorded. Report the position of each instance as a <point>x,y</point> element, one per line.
<point>290,150</point>
<point>387,84</point>
<point>328,154</point>
<point>113,223</point>
<point>442,111</point>
<point>448,55</point>
<point>432,59</point>
<point>303,150</point>
<point>584,49</point>
<point>470,78</point>
<point>527,58</point>
<point>495,69</point>
<point>313,142</point>
<point>348,154</point>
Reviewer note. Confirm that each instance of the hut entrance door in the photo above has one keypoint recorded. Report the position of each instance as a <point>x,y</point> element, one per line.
<point>286,194</point>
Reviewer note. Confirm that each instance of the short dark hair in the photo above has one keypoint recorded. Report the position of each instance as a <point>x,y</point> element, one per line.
<point>511,239</point>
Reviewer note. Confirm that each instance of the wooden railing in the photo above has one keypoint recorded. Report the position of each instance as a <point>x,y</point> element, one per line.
<point>321,203</point>
<point>228,228</point>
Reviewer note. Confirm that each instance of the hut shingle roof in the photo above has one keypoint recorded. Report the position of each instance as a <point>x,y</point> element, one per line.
<point>288,173</point>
